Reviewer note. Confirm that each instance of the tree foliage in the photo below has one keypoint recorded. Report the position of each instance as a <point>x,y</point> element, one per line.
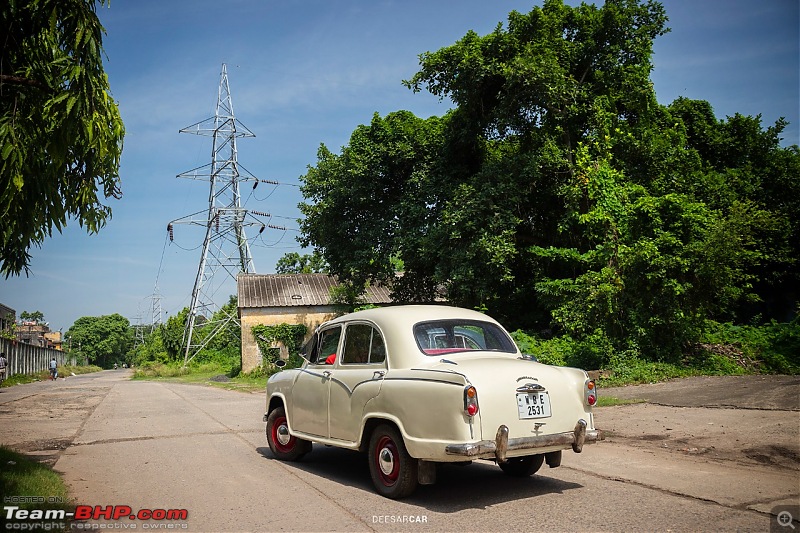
<point>290,335</point>
<point>60,131</point>
<point>102,340</point>
<point>560,196</point>
<point>294,263</point>
<point>165,344</point>
<point>33,316</point>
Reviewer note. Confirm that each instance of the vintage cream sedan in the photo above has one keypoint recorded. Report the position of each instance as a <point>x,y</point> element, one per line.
<point>413,386</point>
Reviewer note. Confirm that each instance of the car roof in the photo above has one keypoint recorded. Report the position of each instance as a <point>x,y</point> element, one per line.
<point>413,314</point>
<point>397,323</point>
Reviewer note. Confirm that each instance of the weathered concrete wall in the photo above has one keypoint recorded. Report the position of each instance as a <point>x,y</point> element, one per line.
<point>28,359</point>
<point>311,317</point>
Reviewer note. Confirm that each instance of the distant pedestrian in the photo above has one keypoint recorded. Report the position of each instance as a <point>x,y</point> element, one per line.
<point>53,369</point>
<point>3,364</point>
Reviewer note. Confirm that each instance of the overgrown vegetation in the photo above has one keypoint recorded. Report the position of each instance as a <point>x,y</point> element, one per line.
<point>725,349</point>
<point>290,335</point>
<point>162,348</point>
<point>160,356</point>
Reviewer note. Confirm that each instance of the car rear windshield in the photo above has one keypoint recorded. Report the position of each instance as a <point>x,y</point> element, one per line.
<point>439,337</point>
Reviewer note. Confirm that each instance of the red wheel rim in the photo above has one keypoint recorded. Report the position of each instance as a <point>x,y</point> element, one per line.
<point>387,461</point>
<point>280,432</point>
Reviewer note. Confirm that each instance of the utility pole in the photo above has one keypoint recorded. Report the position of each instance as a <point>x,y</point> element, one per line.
<point>226,251</point>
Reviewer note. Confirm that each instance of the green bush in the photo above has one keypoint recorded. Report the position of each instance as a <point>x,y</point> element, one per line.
<point>775,345</point>
<point>549,352</point>
<point>726,349</point>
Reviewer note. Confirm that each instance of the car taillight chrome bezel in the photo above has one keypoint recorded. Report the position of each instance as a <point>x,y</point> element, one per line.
<point>471,407</point>
<point>590,393</point>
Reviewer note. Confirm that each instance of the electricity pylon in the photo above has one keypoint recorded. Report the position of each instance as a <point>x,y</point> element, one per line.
<point>155,308</point>
<point>226,251</point>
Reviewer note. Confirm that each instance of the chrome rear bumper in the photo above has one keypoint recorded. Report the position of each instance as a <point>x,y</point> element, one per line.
<point>502,444</point>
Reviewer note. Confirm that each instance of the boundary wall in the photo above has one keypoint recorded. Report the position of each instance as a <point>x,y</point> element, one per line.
<point>26,358</point>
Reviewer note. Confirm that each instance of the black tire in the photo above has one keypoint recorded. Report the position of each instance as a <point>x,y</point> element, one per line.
<point>522,466</point>
<point>393,471</point>
<point>284,446</point>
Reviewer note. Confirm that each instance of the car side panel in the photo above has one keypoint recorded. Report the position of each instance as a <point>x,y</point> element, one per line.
<point>308,409</point>
<point>351,389</point>
<point>423,404</point>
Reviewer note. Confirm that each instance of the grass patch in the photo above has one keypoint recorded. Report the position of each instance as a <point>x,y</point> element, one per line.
<point>43,375</point>
<point>211,374</point>
<point>610,401</point>
<point>38,484</point>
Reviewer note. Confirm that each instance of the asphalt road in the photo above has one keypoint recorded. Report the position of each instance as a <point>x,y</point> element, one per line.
<point>157,445</point>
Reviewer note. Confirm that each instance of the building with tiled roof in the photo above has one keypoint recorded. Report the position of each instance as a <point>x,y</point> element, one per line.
<point>272,299</point>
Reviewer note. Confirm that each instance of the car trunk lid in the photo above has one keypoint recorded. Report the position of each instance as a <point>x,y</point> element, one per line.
<point>527,397</point>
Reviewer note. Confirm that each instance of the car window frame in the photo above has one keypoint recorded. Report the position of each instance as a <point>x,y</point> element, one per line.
<point>318,336</point>
<point>485,325</point>
<point>374,331</point>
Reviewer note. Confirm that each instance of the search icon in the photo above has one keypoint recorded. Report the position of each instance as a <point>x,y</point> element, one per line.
<point>785,519</point>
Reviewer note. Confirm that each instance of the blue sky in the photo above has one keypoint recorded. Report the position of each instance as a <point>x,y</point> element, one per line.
<point>308,72</point>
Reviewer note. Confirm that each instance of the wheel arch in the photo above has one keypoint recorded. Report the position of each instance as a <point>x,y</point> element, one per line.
<point>276,401</point>
<point>371,423</point>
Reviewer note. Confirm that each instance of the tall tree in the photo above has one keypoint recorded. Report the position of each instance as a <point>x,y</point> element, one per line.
<point>375,201</point>
<point>60,130</point>
<point>103,340</point>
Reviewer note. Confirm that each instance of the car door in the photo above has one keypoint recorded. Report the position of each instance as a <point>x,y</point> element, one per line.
<point>355,380</point>
<point>311,389</point>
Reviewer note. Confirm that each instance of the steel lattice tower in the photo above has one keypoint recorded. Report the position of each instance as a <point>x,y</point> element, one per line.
<point>226,251</point>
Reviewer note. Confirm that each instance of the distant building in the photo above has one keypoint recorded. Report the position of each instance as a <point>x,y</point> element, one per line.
<point>54,340</point>
<point>272,299</point>
<point>36,334</point>
<point>8,317</point>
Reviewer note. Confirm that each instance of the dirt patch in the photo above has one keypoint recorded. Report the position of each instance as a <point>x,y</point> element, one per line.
<point>43,425</point>
<point>780,393</point>
<point>691,418</point>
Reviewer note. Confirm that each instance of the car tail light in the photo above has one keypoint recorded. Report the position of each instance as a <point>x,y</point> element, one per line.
<point>590,393</point>
<point>470,400</point>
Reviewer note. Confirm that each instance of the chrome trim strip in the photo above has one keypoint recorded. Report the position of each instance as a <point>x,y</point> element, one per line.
<point>425,379</point>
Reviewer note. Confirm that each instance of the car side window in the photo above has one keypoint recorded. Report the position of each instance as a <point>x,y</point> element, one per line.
<point>328,346</point>
<point>377,351</point>
<point>363,344</point>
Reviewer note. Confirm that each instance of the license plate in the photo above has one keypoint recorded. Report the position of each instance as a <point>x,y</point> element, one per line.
<point>533,405</point>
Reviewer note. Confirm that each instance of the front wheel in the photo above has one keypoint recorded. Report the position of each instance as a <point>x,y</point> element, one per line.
<point>393,471</point>
<point>284,445</point>
<point>522,466</point>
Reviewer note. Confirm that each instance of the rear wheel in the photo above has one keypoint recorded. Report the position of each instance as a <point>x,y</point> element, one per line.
<point>522,466</point>
<point>393,471</point>
<point>284,446</point>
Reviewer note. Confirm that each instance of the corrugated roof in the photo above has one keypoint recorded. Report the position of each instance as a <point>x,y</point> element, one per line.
<point>295,290</point>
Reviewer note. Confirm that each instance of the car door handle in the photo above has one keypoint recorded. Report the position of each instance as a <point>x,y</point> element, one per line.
<point>327,373</point>
<point>378,374</point>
